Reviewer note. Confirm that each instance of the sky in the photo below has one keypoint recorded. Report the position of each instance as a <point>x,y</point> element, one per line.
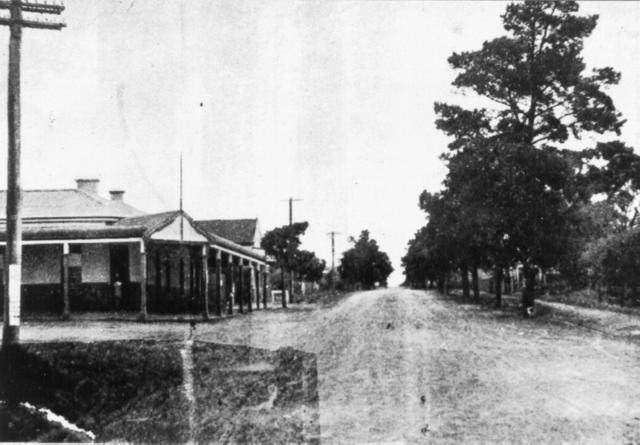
<point>330,102</point>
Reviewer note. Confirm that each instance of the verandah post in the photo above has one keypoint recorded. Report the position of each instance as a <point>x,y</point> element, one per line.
<point>143,282</point>
<point>265,285</point>
<point>219,283</point>
<point>66,306</point>
<point>258,281</point>
<point>240,292</point>
<point>252,286</point>
<point>205,280</point>
<point>229,281</point>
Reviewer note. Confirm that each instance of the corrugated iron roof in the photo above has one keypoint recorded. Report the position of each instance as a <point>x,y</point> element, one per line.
<point>151,223</point>
<point>69,232</point>
<point>240,231</point>
<point>68,203</point>
<point>64,205</point>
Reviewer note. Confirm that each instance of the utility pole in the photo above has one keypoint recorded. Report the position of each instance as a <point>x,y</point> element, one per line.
<point>181,218</point>
<point>291,209</point>
<point>13,254</point>
<point>333,259</point>
<point>291,200</point>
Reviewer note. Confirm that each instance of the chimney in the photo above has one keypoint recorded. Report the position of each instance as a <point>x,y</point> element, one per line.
<point>88,185</point>
<point>116,195</point>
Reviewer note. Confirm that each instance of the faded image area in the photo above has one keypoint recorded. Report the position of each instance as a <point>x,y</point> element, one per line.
<point>157,391</point>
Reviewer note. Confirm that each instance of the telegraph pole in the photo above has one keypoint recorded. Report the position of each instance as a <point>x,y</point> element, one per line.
<point>333,259</point>
<point>181,218</point>
<point>13,255</point>
<point>291,200</point>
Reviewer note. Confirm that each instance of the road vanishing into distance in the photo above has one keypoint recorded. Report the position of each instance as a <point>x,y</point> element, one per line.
<point>410,366</point>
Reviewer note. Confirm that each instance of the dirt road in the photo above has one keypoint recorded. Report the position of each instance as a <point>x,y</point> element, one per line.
<point>401,365</point>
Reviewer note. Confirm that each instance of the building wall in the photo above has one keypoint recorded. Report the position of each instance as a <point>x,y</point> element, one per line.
<point>95,263</point>
<point>41,264</point>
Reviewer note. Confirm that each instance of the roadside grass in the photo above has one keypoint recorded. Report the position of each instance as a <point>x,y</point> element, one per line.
<point>90,384</point>
<point>608,319</point>
<point>510,302</point>
<point>324,298</point>
<point>588,298</point>
<point>132,391</point>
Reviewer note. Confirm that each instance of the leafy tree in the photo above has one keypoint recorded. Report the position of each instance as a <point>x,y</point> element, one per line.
<point>419,268</point>
<point>614,261</point>
<point>614,180</point>
<point>616,177</point>
<point>448,237</point>
<point>282,243</point>
<point>365,263</point>
<point>308,266</point>
<point>535,78</point>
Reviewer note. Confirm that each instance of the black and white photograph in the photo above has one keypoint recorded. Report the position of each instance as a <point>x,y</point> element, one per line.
<point>320,221</point>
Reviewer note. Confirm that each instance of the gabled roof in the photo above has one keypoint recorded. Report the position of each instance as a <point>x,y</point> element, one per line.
<point>240,231</point>
<point>68,203</point>
<point>151,223</point>
<point>230,245</point>
<point>157,221</point>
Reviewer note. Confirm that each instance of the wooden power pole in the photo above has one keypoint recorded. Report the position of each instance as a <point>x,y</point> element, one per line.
<point>291,200</point>
<point>291,209</point>
<point>13,255</point>
<point>333,259</point>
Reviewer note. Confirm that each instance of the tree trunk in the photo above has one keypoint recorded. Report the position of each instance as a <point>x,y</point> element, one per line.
<point>528,293</point>
<point>292,278</point>
<point>464,274</point>
<point>497,278</point>
<point>283,286</point>
<point>440,284</point>
<point>475,285</point>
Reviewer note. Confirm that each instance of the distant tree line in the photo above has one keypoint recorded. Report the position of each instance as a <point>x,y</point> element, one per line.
<point>283,245</point>
<point>515,195</point>
<point>363,266</point>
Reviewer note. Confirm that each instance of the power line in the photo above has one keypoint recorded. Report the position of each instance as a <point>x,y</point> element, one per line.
<point>13,254</point>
